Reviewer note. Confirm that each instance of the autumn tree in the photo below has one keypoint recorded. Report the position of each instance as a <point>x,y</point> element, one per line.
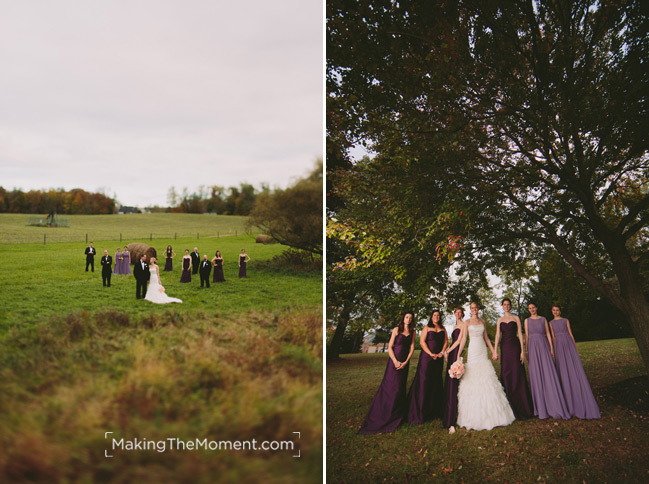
<point>528,116</point>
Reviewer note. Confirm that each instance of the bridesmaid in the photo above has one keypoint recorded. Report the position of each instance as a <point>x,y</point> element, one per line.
<point>217,261</point>
<point>389,407</point>
<point>170,255</point>
<point>186,275</point>
<point>119,262</point>
<point>579,396</point>
<point>126,262</point>
<point>426,396</point>
<point>243,259</point>
<point>512,371</point>
<point>451,384</point>
<point>547,395</point>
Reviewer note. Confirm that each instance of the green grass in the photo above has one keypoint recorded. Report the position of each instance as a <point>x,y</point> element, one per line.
<point>239,361</point>
<point>611,449</point>
<point>38,280</point>
<point>132,227</point>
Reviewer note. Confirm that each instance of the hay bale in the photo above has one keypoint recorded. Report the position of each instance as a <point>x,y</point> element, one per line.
<point>264,239</point>
<point>137,249</point>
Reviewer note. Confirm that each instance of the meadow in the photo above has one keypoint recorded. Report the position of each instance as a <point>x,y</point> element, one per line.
<point>130,227</point>
<point>611,449</point>
<point>241,360</point>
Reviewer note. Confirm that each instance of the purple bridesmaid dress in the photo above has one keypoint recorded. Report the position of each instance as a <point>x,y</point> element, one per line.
<point>389,407</point>
<point>547,395</point>
<point>512,372</point>
<point>168,264</point>
<point>242,266</point>
<point>426,395</point>
<point>579,396</point>
<point>451,385</point>
<point>118,264</point>
<point>186,275</point>
<point>218,271</point>
<point>126,263</point>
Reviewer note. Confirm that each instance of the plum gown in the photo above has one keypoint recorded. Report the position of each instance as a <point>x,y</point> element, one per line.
<point>512,372</point>
<point>426,396</point>
<point>218,275</point>
<point>579,396</point>
<point>118,264</point>
<point>242,266</point>
<point>169,264</point>
<point>186,275</point>
<point>390,407</point>
<point>451,385</point>
<point>547,394</point>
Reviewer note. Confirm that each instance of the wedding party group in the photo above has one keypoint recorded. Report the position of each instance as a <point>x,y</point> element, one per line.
<point>471,396</point>
<point>147,273</point>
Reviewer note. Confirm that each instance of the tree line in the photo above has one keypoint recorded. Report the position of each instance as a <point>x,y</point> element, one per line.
<point>215,199</point>
<point>72,202</point>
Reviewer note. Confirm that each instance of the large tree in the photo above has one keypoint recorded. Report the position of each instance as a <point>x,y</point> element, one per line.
<point>529,116</point>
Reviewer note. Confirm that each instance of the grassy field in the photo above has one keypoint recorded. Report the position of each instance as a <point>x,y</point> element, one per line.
<point>239,361</point>
<point>611,449</point>
<point>132,227</point>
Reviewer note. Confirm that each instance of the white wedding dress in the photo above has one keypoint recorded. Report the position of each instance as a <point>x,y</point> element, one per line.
<point>481,400</point>
<point>155,292</point>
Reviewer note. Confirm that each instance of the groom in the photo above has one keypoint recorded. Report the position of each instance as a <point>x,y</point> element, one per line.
<point>142,275</point>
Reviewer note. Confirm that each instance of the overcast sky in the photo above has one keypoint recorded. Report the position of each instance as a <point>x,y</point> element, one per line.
<point>133,96</point>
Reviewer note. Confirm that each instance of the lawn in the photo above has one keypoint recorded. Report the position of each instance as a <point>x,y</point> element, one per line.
<point>239,361</point>
<point>611,449</point>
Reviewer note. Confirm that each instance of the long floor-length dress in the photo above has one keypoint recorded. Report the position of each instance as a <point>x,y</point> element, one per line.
<point>118,269</point>
<point>126,263</point>
<point>547,394</point>
<point>451,385</point>
<point>482,403</point>
<point>512,372</point>
<point>579,396</point>
<point>389,407</point>
<point>155,292</point>
<point>168,264</point>
<point>186,275</point>
<point>242,266</point>
<point>426,395</point>
<point>218,275</point>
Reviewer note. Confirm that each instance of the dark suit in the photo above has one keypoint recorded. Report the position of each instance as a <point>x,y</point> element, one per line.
<point>106,269</point>
<point>205,269</point>
<point>142,277</point>
<point>90,258</point>
<point>196,260</point>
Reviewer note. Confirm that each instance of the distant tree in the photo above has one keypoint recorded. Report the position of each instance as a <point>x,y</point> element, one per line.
<point>293,216</point>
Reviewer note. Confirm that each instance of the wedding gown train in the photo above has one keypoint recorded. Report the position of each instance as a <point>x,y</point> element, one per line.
<point>482,403</point>
<point>155,292</point>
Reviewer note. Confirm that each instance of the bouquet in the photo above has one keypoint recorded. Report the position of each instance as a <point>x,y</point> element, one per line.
<point>162,289</point>
<point>457,369</point>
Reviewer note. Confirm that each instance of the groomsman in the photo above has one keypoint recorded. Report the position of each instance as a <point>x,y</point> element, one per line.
<point>142,276</point>
<point>205,269</point>
<point>196,258</point>
<point>90,257</point>
<point>106,269</point>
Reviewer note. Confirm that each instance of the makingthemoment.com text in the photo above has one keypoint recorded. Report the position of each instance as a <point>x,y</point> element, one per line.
<point>174,443</point>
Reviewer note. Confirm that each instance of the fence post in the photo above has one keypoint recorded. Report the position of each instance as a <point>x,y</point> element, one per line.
<point>218,234</point>
<point>44,236</point>
<point>120,237</point>
<point>151,236</point>
<point>86,238</point>
<point>196,235</point>
<point>235,233</point>
<point>175,234</point>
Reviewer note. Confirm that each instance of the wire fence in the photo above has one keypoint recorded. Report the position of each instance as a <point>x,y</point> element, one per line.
<point>56,236</point>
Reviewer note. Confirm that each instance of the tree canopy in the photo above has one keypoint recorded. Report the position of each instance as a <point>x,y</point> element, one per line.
<point>499,129</point>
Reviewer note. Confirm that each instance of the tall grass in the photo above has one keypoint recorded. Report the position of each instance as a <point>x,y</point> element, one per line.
<point>66,382</point>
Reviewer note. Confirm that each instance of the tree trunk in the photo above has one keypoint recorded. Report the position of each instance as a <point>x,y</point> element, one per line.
<point>333,352</point>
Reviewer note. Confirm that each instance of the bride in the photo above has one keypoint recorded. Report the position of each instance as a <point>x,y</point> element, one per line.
<point>482,403</point>
<point>156,292</point>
